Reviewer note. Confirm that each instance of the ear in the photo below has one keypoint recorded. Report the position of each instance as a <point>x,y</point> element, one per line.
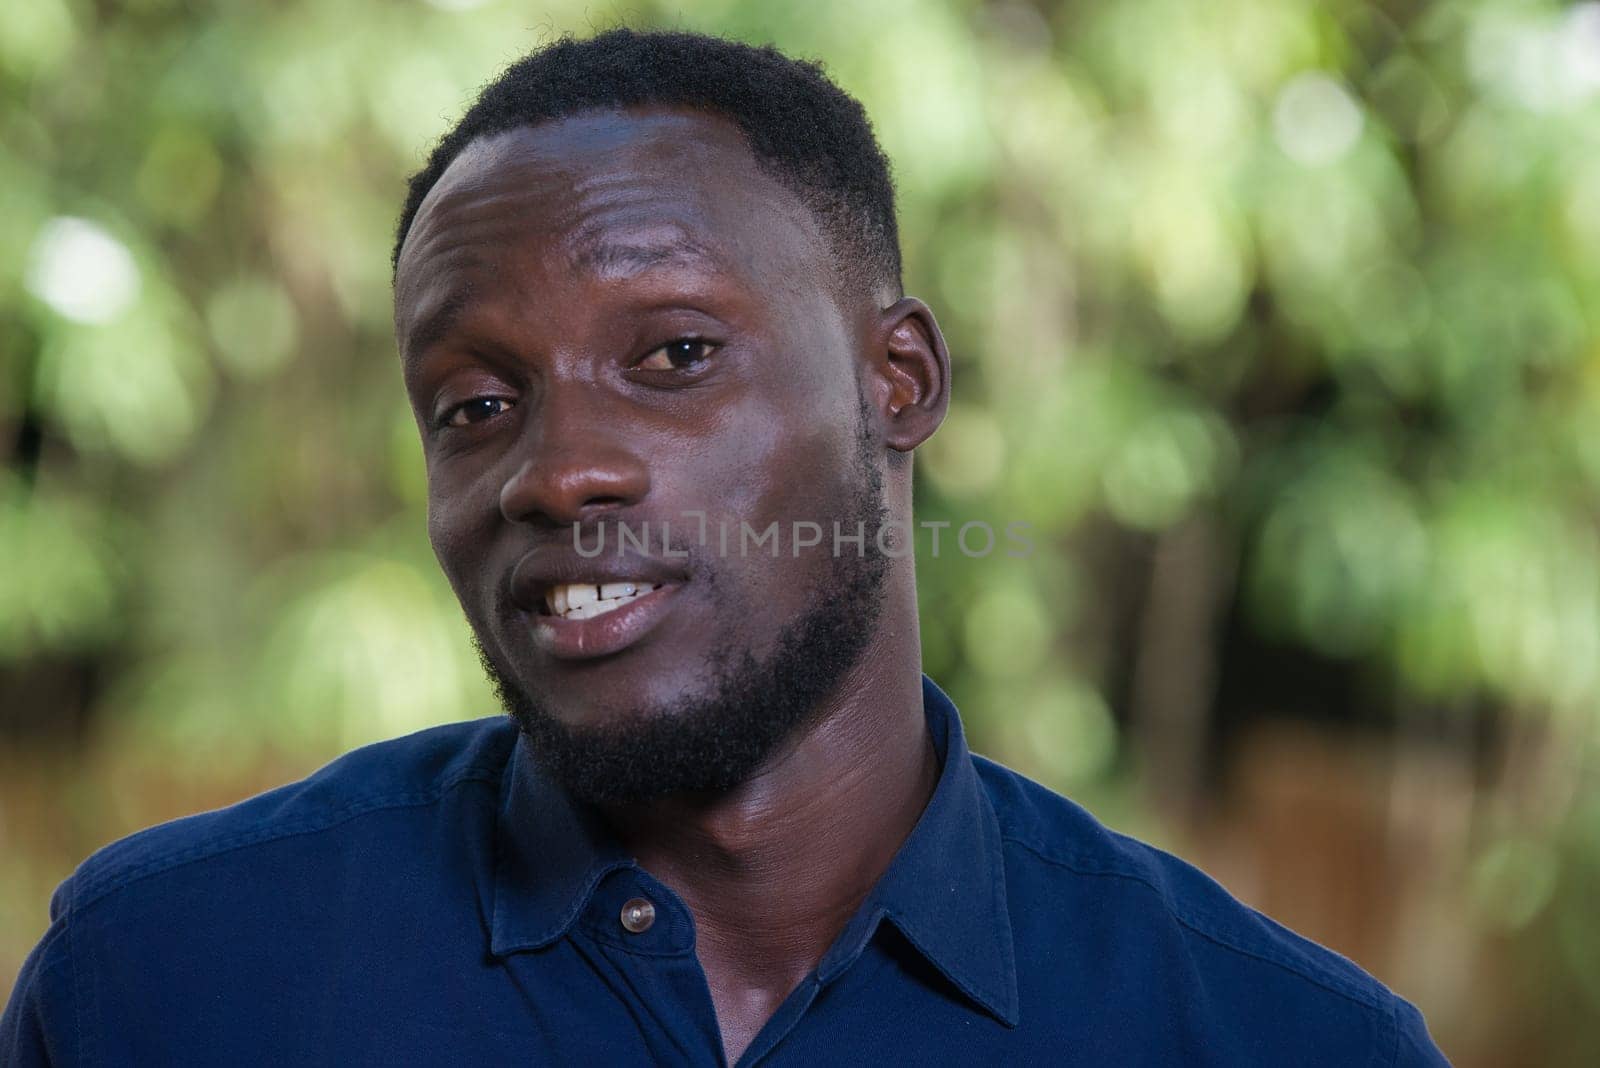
<point>909,374</point>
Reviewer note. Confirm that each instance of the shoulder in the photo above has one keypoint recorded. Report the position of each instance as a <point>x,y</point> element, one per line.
<point>416,770</point>
<point>1180,922</point>
<point>242,896</point>
<point>1057,833</point>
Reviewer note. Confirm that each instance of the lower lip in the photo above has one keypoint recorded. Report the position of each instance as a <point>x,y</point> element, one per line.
<point>604,635</point>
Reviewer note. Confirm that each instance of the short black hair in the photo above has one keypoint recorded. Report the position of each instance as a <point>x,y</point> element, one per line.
<point>802,129</point>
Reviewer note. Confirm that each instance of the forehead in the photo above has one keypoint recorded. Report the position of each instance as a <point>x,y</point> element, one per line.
<point>609,194</point>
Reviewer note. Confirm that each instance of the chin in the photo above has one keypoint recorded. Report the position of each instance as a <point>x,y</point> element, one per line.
<point>604,696</point>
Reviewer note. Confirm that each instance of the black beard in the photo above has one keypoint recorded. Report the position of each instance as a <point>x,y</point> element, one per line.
<point>712,742</point>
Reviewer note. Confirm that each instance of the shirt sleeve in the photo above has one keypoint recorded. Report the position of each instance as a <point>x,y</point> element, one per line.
<point>36,1027</point>
<point>1415,1047</point>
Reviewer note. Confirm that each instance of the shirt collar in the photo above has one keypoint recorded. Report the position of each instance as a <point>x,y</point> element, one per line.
<point>550,854</point>
<point>944,891</point>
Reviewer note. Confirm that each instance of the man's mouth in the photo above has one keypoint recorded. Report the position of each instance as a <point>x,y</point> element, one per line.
<point>588,620</point>
<point>587,600</point>
<point>586,610</point>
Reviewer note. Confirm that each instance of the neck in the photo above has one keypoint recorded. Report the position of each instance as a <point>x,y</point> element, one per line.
<point>773,869</point>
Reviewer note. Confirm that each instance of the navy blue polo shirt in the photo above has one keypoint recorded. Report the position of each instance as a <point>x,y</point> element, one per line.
<point>435,900</point>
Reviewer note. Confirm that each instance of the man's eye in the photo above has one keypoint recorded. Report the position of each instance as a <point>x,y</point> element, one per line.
<point>475,410</point>
<point>677,355</point>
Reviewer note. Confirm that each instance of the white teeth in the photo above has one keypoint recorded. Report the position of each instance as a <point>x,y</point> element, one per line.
<point>587,600</point>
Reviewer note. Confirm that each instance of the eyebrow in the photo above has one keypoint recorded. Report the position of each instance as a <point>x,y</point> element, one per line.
<point>603,257</point>
<point>437,323</point>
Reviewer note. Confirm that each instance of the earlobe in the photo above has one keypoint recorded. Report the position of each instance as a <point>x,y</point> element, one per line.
<point>912,366</point>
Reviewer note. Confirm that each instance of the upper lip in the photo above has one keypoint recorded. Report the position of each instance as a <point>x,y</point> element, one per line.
<point>546,568</point>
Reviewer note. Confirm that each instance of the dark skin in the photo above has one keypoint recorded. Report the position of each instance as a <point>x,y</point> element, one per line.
<point>619,315</point>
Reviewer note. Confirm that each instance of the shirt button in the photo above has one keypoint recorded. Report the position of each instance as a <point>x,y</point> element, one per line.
<point>638,914</point>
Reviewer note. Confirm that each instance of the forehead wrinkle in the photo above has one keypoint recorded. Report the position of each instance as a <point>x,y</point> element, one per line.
<point>612,257</point>
<point>447,258</point>
<point>625,223</point>
<point>444,244</point>
<point>458,239</point>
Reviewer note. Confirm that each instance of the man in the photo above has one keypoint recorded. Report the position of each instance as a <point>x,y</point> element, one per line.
<point>648,306</point>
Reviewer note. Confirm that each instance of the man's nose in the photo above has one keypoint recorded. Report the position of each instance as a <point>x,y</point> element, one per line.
<point>575,467</point>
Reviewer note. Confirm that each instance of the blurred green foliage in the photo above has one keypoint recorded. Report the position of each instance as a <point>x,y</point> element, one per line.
<point>1318,278</point>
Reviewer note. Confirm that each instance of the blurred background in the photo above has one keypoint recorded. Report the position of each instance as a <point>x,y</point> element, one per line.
<point>1278,320</point>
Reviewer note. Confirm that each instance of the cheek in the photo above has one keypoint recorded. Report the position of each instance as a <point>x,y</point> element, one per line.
<point>780,464</point>
<point>758,467</point>
<point>458,527</point>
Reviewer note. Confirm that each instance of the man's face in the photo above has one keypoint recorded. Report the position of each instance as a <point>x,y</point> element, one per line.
<point>618,319</point>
